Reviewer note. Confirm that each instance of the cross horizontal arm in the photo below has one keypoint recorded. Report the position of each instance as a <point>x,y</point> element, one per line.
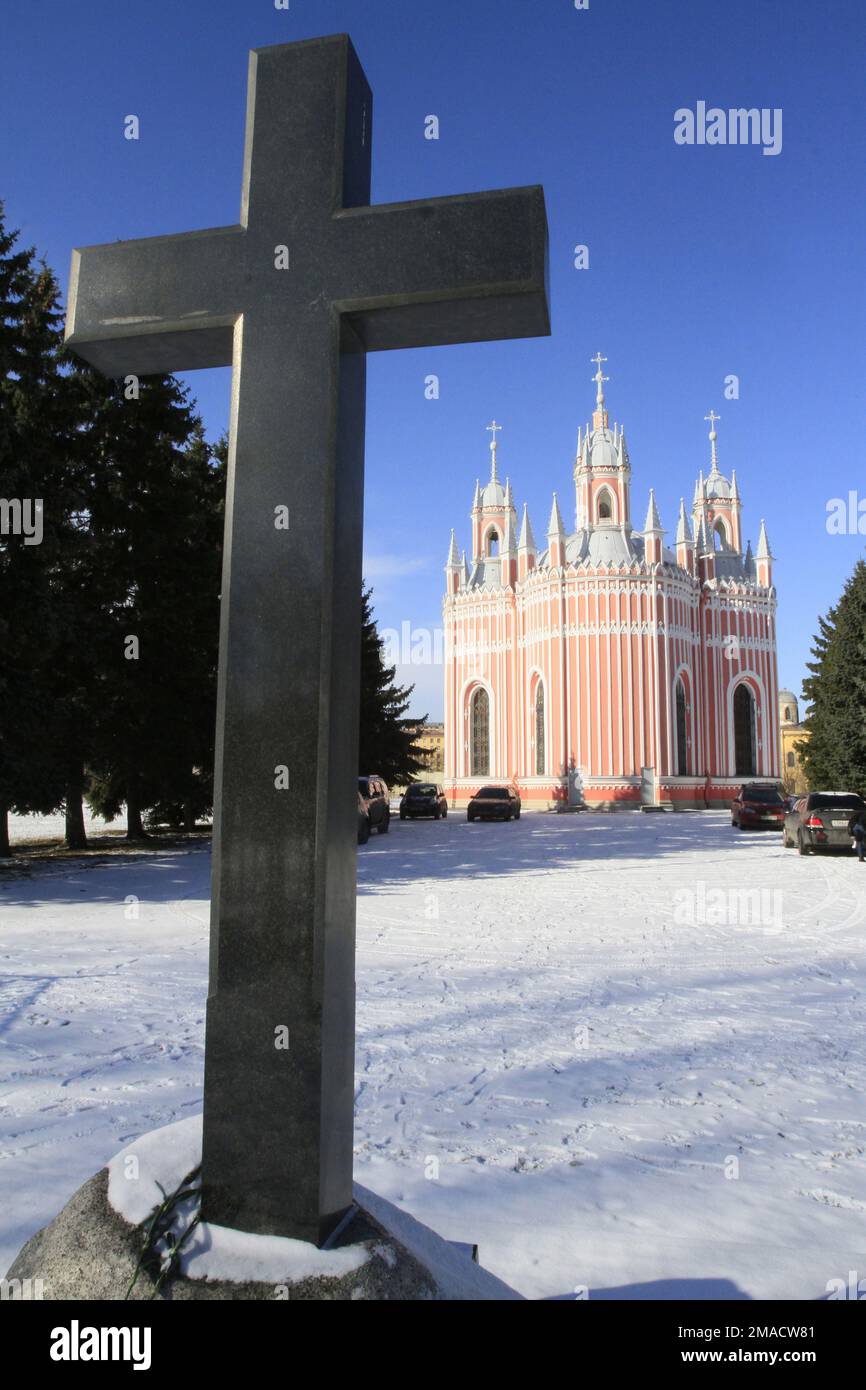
<point>469,268</point>
<point>159,304</point>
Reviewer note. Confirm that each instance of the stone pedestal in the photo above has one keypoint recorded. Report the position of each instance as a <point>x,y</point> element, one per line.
<point>91,1249</point>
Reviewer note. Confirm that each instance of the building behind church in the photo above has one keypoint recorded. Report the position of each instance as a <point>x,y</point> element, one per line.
<point>605,667</point>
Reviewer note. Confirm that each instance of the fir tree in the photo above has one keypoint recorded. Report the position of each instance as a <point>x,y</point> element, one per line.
<point>387,737</point>
<point>834,755</point>
<point>156,510</point>
<point>36,426</point>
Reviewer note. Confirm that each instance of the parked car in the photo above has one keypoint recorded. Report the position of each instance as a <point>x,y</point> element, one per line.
<point>423,799</point>
<point>377,802</point>
<point>363,821</point>
<point>494,803</point>
<point>758,806</point>
<point>820,821</point>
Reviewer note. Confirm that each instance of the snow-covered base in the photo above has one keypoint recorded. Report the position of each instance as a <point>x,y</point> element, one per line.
<point>91,1251</point>
<point>570,1050</point>
<point>162,1159</point>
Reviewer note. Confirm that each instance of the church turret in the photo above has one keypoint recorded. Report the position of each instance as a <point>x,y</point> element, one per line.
<point>705,554</point>
<point>718,500</point>
<point>555,537</point>
<point>653,533</point>
<point>764,559</point>
<point>526,551</point>
<point>602,470</point>
<point>685,541</point>
<point>509,547</point>
<point>489,509</point>
<point>452,567</point>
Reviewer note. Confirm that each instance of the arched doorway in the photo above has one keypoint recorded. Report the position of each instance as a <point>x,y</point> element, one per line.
<point>539,730</point>
<point>744,732</point>
<point>480,734</point>
<point>682,732</point>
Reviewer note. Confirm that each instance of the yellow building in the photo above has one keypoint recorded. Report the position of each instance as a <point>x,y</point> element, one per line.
<point>431,739</point>
<point>792,733</point>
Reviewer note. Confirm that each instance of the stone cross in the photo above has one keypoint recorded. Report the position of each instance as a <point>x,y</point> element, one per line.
<point>311,279</point>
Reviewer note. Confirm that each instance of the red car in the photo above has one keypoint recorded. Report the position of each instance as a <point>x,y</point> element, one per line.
<point>759,807</point>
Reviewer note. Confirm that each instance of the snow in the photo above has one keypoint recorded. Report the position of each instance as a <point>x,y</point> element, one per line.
<point>166,1156</point>
<point>23,829</point>
<point>578,1045</point>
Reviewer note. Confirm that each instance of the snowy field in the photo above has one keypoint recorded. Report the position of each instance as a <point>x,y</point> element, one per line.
<point>580,1045</point>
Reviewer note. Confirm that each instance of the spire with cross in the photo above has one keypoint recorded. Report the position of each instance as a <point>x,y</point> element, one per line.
<point>712,418</point>
<point>599,419</point>
<point>494,429</point>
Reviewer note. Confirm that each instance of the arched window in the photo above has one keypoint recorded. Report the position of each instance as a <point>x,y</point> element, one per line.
<point>720,536</point>
<point>788,714</point>
<point>493,543</point>
<point>682,732</point>
<point>539,730</point>
<point>480,732</point>
<point>791,760</point>
<point>605,506</point>
<point>744,731</point>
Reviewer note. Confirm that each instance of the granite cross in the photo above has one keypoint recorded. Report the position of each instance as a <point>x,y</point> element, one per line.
<point>311,279</point>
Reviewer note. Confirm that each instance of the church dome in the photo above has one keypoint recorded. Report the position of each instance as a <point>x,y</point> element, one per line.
<point>603,454</point>
<point>493,495</point>
<point>717,485</point>
<point>609,546</point>
<point>789,709</point>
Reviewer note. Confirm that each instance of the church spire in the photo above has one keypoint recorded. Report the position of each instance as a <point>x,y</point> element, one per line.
<point>556,526</point>
<point>527,540</point>
<point>653,520</point>
<point>683,534</point>
<point>493,428</point>
<point>599,418</point>
<point>763,550</point>
<point>713,417</point>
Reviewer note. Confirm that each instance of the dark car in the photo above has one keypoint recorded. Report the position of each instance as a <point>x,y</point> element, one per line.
<point>759,807</point>
<point>820,821</point>
<point>377,802</point>
<point>363,821</point>
<point>423,799</point>
<point>494,803</point>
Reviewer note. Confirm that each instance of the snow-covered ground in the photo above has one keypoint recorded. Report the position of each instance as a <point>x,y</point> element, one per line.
<point>23,829</point>
<point>625,1053</point>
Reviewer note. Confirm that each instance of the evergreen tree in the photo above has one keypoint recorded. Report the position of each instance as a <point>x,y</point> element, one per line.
<point>36,476</point>
<point>834,755</point>
<point>156,508</point>
<point>387,737</point>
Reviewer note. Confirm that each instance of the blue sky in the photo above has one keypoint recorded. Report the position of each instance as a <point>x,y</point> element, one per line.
<point>704,261</point>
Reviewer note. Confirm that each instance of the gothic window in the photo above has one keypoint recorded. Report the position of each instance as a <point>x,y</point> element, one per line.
<point>539,730</point>
<point>744,731</point>
<point>605,508</point>
<point>682,732</point>
<point>720,538</point>
<point>480,721</point>
<point>493,544</point>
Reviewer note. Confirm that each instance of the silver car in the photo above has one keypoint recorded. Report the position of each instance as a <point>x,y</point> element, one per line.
<point>820,821</point>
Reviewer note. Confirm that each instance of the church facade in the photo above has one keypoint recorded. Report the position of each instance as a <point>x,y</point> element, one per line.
<point>605,668</point>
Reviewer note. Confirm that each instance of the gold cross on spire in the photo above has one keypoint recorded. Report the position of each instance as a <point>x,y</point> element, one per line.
<point>713,417</point>
<point>494,428</point>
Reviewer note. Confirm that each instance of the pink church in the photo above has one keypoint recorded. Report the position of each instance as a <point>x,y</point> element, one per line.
<point>607,669</point>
